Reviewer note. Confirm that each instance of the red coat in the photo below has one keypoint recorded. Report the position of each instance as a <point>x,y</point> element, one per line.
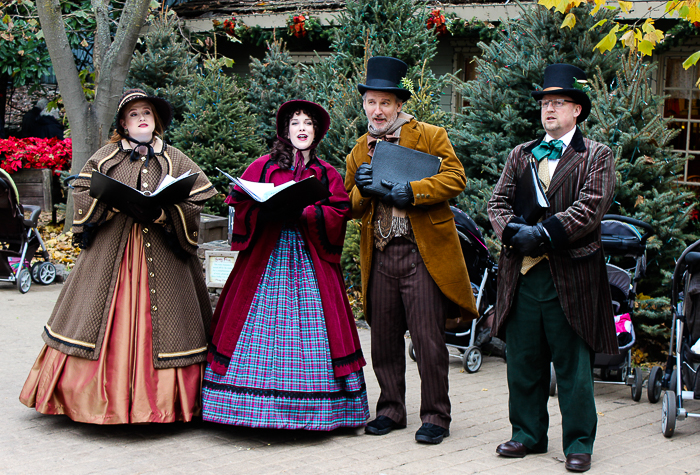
<point>322,227</point>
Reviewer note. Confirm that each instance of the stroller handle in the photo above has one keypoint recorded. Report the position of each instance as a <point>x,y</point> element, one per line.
<point>681,264</point>
<point>69,179</point>
<point>634,222</point>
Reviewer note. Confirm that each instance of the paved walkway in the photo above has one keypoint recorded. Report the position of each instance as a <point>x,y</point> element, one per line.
<point>629,436</point>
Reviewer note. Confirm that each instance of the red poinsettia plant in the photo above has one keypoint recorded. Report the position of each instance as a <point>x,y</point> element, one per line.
<point>437,20</point>
<point>52,153</point>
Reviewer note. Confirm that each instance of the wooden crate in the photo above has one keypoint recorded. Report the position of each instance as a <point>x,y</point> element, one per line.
<point>35,187</point>
<point>212,228</point>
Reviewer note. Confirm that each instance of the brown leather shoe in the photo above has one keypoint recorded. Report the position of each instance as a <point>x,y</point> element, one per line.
<point>578,462</point>
<point>512,449</point>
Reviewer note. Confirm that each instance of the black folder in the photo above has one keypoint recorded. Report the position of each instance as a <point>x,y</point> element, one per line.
<point>117,194</point>
<point>396,164</point>
<point>295,195</point>
<point>530,199</point>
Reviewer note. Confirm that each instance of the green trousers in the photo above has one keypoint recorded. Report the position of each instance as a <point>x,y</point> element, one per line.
<point>538,333</point>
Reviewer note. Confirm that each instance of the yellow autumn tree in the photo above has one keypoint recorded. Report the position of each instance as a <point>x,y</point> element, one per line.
<point>642,35</point>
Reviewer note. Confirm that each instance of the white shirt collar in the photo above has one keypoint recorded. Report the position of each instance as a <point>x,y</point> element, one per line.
<point>566,138</point>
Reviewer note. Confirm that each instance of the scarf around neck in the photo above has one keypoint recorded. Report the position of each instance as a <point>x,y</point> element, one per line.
<point>401,119</point>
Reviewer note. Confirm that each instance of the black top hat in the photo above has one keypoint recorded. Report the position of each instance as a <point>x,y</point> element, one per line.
<point>311,108</point>
<point>163,108</point>
<point>563,79</point>
<point>385,74</point>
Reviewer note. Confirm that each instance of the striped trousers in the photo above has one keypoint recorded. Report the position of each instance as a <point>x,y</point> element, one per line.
<point>403,296</point>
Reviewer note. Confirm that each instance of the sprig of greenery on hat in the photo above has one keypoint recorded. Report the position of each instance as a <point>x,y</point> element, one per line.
<point>406,84</point>
<point>582,85</point>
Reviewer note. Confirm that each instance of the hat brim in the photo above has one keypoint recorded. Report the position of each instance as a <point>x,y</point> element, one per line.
<point>163,108</point>
<point>322,116</point>
<point>402,94</point>
<point>580,97</point>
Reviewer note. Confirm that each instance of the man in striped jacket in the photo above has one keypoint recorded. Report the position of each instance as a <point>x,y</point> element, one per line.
<point>554,301</point>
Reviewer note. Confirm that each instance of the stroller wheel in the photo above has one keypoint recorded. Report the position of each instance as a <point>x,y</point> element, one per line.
<point>654,384</point>
<point>637,381</point>
<point>24,281</point>
<point>46,273</point>
<point>673,384</point>
<point>472,359</point>
<point>552,381</point>
<point>668,414</point>
<point>35,271</point>
<point>411,351</point>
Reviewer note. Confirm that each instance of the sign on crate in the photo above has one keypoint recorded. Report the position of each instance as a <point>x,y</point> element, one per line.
<point>218,266</point>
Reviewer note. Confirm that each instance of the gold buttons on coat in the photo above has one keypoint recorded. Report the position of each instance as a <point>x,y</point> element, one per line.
<point>154,308</point>
<point>145,170</point>
<point>148,244</point>
<point>150,259</point>
<point>153,291</point>
<point>151,274</point>
<point>143,159</point>
<point>145,185</point>
<point>145,230</point>
<point>80,211</point>
<point>194,233</point>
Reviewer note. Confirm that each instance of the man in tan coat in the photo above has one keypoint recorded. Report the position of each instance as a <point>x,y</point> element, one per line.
<point>413,271</point>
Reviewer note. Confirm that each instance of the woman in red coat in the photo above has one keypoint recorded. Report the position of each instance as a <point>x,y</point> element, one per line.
<point>285,351</point>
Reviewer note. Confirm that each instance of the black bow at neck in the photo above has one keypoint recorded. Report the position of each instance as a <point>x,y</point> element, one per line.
<point>141,149</point>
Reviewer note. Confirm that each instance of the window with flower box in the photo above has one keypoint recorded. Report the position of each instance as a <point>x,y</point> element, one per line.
<point>683,106</point>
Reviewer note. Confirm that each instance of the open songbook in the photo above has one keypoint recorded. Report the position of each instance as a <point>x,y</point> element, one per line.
<point>290,194</point>
<point>115,193</point>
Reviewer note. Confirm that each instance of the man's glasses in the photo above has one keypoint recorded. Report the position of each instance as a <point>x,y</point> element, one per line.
<point>557,103</point>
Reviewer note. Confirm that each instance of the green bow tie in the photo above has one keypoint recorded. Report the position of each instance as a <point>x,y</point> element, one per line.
<point>550,150</point>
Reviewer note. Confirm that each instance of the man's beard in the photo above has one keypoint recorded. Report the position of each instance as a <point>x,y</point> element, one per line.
<point>390,121</point>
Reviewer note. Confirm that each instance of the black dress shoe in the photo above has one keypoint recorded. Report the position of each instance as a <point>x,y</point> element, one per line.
<point>512,449</point>
<point>431,433</point>
<point>381,425</point>
<point>578,462</point>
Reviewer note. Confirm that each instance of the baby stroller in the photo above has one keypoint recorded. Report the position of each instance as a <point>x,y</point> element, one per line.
<point>683,381</point>
<point>20,240</point>
<point>471,337</point>
<point>621,238</point>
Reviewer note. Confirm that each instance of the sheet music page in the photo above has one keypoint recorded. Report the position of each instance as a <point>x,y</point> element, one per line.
<point>255,189</point>
<point>277,189</point>
<point>170,179</point>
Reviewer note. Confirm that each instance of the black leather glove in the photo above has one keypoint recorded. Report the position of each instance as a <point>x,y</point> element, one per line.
<point>363,178</point>
<point>511,230</point>
<point>531,240</point>
<point>143,215</point>
<point>401,194</point>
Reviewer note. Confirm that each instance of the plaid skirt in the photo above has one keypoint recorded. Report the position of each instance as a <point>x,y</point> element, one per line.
<point>280,375</point>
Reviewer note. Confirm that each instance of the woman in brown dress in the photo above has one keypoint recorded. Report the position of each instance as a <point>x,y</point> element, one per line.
<point>126,342</point>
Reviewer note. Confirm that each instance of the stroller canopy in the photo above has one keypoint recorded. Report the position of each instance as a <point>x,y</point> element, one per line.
<point>621,239</point>
<point>7,181</point>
